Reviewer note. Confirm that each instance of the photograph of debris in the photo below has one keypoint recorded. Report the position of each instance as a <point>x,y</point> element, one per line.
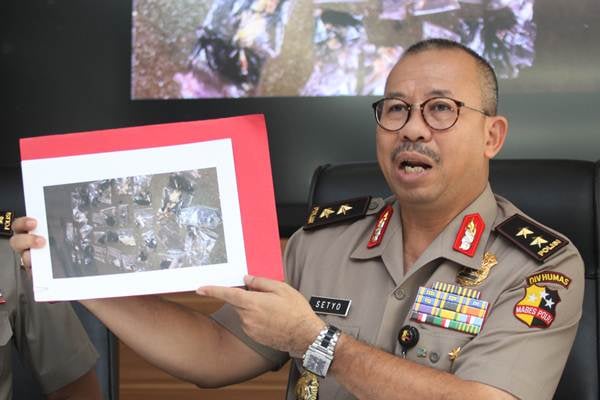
<point>135,223</point>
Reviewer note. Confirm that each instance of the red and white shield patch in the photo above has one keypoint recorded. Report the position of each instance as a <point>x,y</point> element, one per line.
<point>537,309</point>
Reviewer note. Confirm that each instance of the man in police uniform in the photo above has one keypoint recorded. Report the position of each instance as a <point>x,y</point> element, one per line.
<point>443,291</point>
<point>48,336</point>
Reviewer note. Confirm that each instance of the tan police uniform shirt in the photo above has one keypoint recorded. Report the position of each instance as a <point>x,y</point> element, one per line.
<point>49,337</point>
<point>508,353</point>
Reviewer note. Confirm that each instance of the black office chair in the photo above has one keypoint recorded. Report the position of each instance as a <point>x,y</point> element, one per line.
<point>24,385</point>
<point>563,194</point>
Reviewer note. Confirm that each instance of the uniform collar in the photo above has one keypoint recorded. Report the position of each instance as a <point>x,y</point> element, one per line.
<point>391,249</point>
<point>485,205</point>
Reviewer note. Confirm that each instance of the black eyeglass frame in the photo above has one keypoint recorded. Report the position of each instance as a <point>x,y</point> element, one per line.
<point>459,105</point>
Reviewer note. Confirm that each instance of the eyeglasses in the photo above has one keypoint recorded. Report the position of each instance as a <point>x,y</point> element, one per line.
<point>439,113</point>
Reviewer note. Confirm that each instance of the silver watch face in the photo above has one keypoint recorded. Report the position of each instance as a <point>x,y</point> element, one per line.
<point>316,363</point>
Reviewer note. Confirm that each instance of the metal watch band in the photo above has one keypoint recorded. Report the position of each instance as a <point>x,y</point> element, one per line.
<point>327,338</point>
<point>319,355</point>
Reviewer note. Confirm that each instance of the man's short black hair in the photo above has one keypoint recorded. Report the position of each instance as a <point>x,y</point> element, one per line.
<point>489,82</point>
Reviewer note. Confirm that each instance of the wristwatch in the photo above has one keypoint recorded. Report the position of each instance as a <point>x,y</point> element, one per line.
<point>319,355</point>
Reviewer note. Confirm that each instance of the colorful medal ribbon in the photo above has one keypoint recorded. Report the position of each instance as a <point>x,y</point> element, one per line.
<point>450,306</point>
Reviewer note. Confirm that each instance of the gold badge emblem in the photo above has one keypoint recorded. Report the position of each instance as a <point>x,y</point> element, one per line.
<point>454,353</point>
<point>473,277</point>
<point>307,387</point>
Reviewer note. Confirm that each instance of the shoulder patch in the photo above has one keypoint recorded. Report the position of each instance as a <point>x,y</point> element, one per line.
<point>531,237</point>
<point>331,213</point>
<point>6,218</point>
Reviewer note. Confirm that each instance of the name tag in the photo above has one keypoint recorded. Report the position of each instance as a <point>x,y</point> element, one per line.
<point>331,306</point>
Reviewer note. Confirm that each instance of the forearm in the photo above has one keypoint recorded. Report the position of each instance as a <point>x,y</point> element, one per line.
<point>370,373</point>
<point>180,341</point>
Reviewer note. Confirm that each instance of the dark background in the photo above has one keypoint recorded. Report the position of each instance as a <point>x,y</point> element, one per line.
<point>65,66</point>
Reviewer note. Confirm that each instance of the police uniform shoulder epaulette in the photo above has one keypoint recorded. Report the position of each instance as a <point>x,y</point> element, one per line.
<point>531,237</point>
<point>340,211</point>
<point>6,218</point>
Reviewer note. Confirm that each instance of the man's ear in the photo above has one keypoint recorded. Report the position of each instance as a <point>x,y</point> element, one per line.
<point>496,129</point>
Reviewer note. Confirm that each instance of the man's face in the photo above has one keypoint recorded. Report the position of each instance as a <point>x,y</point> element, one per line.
<point>425,167</point>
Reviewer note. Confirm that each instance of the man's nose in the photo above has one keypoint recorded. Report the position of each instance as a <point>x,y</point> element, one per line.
<point>415,129</point>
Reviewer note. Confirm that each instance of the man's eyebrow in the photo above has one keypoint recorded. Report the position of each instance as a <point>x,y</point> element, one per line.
<point>395,94</point>
<point>440,92</point>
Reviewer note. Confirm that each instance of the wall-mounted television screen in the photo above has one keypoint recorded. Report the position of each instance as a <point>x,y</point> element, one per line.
<point>252,48</point>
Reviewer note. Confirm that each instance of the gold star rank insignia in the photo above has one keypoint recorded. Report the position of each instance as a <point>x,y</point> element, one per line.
<point>326,213</point>
<point>313,215</point>
<point>332,213</point>
<point>524,232</point>
<point>534,239</point>
<point>539,241</point>
<point>344,208</point>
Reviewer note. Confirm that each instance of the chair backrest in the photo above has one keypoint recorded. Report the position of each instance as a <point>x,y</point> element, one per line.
<point>562,194</point>
<point>24,386</point>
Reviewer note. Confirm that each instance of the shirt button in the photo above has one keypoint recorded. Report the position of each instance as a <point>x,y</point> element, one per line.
<point>374,204</point>
<point>399,294</point>
<point>434,357</point>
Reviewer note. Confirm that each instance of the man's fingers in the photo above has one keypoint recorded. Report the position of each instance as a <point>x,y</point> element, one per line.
<point>235,296</point>
<point>23,224</point>
<point>24,241</point>
<point>262,284</point>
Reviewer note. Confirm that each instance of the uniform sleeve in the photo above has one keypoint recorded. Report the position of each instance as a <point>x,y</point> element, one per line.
<point>51,339</point>
<point>228,318</point>
<point>519,351</point>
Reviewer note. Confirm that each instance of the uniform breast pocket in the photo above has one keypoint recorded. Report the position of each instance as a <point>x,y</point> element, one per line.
<point>438,347</point>
<point>343,324</point>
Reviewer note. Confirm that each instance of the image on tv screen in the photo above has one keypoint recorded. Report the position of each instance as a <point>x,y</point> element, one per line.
<point>192,49</point>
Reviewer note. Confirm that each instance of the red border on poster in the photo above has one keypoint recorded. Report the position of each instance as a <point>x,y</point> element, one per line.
<point>252,169</point>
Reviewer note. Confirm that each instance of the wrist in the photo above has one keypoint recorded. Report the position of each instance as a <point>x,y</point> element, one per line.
<point>306,336</point>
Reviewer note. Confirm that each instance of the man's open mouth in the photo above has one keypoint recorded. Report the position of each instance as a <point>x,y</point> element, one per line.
<point>414,167</point>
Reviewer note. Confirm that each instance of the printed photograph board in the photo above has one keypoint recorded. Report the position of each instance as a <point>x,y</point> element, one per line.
<point>151,209</point>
